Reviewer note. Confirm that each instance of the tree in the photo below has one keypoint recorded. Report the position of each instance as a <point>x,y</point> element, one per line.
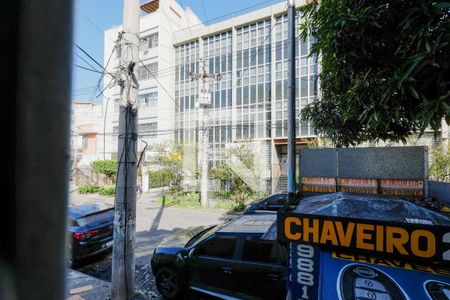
<point>170,159</point>
<point>385,68</point>
<point>440,165</point>
<point>106,167</point>
<point>229,176</point>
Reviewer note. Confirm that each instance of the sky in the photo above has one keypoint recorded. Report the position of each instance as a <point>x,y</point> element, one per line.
<point>92,17</point>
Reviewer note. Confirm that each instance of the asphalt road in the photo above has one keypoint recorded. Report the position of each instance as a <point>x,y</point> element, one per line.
<point>153,223</point>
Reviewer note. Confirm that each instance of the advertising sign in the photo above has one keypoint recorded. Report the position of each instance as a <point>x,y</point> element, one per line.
<point>323,275</point>
<point>388,239</point>
<point>304,263</point>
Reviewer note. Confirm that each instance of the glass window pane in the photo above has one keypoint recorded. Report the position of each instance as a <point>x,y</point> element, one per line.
<point>259,250</point>
<point>238,96</point>
<point>278,90</point>
<point>278,51</point>
<point>303,86</point>
<point>222,246</point>
<point>245,96</point>
<point>253,93</point>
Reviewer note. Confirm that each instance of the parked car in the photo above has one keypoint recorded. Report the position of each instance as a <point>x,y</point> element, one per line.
<point>224,261</point>
<point>270,203</point>
<point>90,231</point>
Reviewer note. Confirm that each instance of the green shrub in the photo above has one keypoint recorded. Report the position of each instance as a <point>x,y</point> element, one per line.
<point>440,165</point>
<point>184,199</point>
<point>222,194</point>
<point>159,178</point>
<point>106,167</point>
<point>230,205</point>
<point>88,188</point>
<point>107,190</point>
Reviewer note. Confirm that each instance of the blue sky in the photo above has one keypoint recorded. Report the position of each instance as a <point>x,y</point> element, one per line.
<point>92,17</point>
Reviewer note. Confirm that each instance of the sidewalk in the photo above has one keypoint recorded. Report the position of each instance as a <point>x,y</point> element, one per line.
<point>84,287</point>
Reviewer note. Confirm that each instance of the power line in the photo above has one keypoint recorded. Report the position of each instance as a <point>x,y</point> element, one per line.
<point>170,96</point>
<point>90,21</point>
<point>159,83</point>
<point>85,88</point>
<point>93,59</point>
<point>204,11</point>
<point>232,14</point>
<point>88,63</point>
<point>160,72</point>
<point>172,70</point>
<point>87,69</point>
<point>156,132</point>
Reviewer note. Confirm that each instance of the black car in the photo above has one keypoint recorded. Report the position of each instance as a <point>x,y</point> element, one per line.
<point>271,203</point>
<point>230,261</point>
<point>90,231</point>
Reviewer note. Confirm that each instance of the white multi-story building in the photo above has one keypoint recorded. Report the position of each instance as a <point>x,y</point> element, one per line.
<point>249,103</point>
<point>156,96</point>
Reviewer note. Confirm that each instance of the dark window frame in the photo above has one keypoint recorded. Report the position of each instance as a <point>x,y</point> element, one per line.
<point>200,245</point>
<point>281,259</point>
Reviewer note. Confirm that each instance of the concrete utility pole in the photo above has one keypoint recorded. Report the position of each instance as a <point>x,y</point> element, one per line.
<point>204,103</point>
<point>291,99</point>
<point>123,263</point>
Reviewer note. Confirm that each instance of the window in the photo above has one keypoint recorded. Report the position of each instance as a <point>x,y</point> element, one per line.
<point>148,71</point>
<point>259,250</point>
<point>84,142</point>
<point>149,99</point>
<point>148,129</point>
<point>276,200</point>
<point>149,41</point>
<point>102,215</point>
<point>222,246</point>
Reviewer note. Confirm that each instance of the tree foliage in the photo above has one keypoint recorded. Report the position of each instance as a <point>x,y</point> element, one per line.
<point>170,159</point>
<point>159,178</point>
<point>106,167</point>
<point>228,177</point>
<point>385,68</point>
<point>440,165</point>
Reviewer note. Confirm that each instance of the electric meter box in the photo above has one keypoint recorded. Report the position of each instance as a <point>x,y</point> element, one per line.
<point>204,99</point>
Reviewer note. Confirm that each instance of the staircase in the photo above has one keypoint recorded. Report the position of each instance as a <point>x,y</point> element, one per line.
<point>281,186</point>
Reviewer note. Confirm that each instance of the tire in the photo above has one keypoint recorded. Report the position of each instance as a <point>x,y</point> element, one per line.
<point>71,262</point>
<point>169,283</point>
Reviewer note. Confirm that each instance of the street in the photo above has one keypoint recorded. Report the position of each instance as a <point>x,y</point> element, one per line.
<point>153,223</point>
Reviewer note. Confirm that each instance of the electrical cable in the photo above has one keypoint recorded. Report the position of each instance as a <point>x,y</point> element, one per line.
<point>204,12</point>
<point>232,14</point>
<point>87,69</point>
<point>93,59</point>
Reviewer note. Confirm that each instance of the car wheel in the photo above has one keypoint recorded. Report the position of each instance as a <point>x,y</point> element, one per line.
<point>169,283</point>
<point>71,262</point>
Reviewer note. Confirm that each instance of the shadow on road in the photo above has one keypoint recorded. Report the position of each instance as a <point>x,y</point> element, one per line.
<point>147,240</point>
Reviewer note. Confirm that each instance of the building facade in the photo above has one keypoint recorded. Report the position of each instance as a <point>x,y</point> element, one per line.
<point>249,102</point>
<point>156,118</point>
<point>86,135</point>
